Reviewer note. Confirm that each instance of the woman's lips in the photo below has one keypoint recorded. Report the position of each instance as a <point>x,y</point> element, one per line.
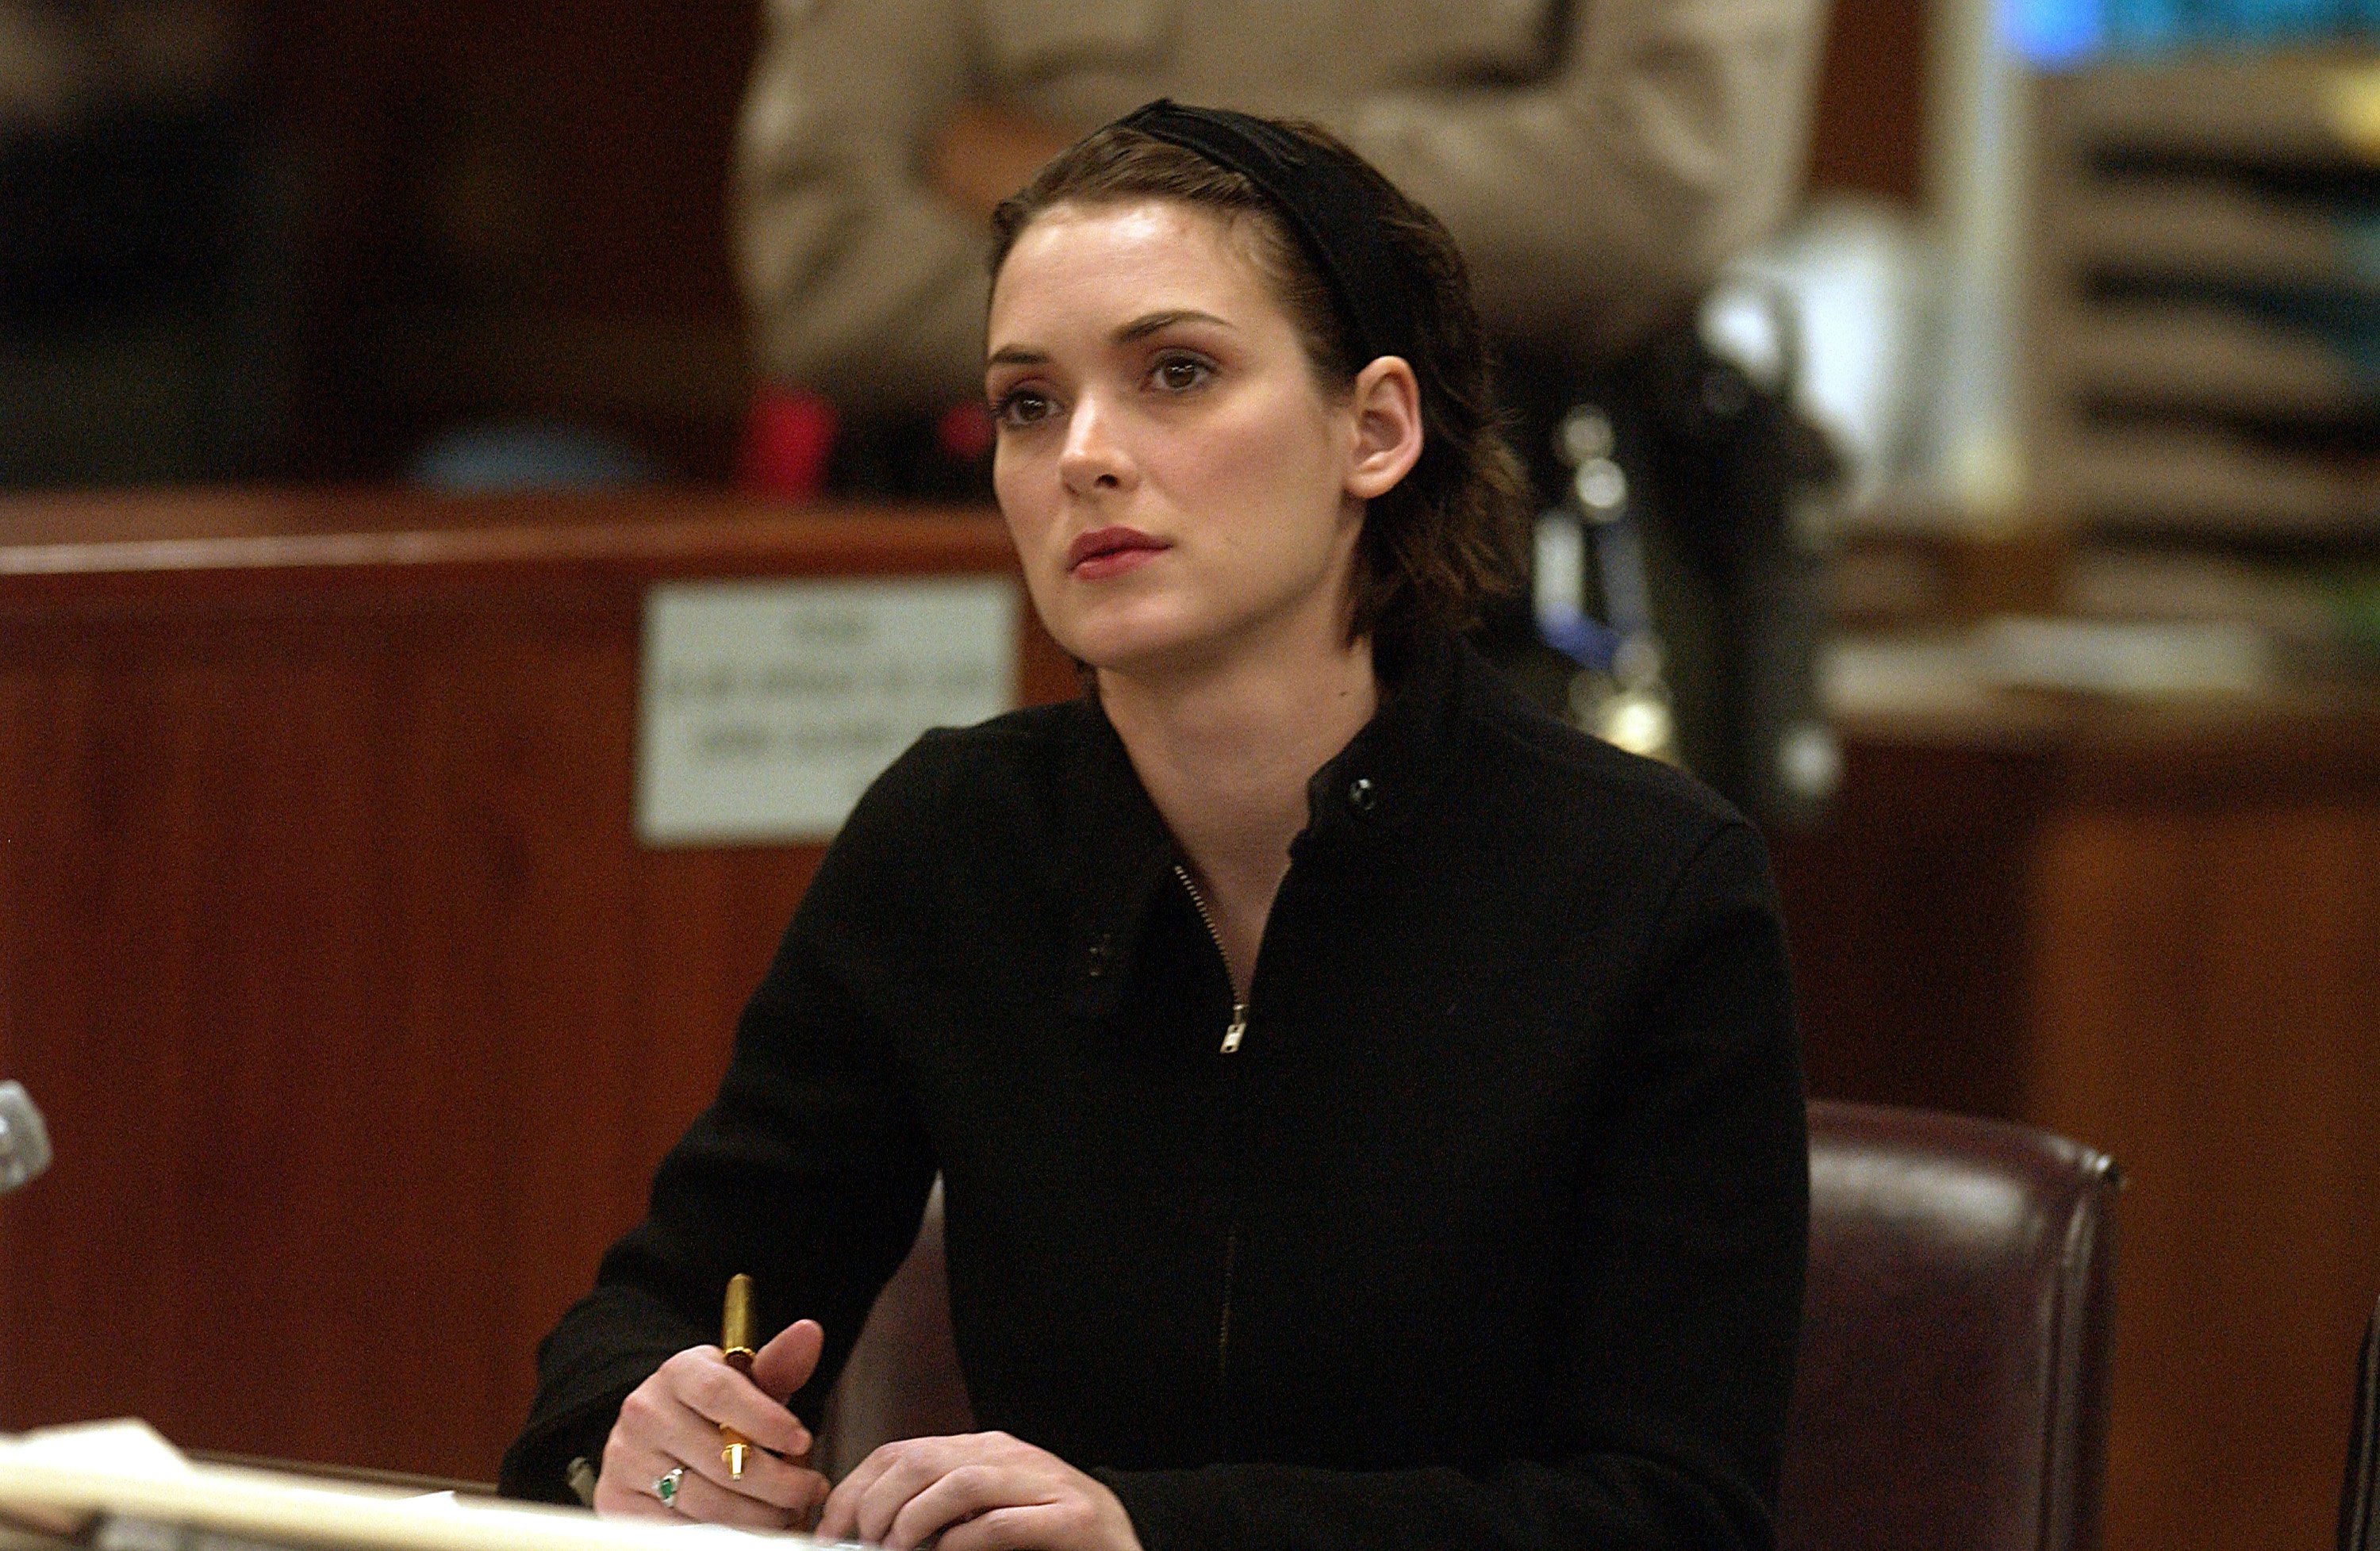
<point>1111,552</point>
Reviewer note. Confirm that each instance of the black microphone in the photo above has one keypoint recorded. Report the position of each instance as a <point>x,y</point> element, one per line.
<point>24,1142</point>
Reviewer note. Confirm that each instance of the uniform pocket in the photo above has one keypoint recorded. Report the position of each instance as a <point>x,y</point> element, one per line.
<point>1030,38</point>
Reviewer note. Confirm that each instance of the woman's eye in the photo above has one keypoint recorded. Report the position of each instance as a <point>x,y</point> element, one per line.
<point>1021,408</point>
<point>1181,373</point>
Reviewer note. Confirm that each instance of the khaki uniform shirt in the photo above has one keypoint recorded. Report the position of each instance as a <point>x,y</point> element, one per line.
<point>1598,160</point>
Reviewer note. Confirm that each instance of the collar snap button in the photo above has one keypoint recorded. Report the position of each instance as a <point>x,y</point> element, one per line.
<point>1361,794</point>
<point>1100,950</point>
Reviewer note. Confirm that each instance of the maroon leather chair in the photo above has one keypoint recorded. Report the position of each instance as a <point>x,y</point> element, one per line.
<point>2358,1495</point>
<point>1953,1384</point>
<point>1954,1365</point>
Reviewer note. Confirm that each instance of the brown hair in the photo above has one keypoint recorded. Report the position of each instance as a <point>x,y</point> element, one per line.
<point>1449,536</point>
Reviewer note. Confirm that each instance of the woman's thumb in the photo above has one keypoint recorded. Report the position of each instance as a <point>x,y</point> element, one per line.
<point>786,1362</point>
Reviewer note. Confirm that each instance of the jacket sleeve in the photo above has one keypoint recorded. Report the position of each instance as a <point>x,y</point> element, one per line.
<point>810,1171</point>
<point>1593,204</point>
<point>1677,1339</point>
<point>860,281</point>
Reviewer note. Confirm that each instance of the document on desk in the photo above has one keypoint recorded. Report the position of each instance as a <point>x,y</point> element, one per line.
<point>146,1496</point>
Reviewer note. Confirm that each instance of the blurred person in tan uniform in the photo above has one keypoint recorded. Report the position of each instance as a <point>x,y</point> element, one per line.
<point>1598,160</point>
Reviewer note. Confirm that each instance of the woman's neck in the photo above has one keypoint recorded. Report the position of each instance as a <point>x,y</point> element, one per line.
<point>1225,753</point>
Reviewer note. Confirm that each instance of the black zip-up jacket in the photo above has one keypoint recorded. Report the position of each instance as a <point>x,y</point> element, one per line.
<point>1490,1232</point>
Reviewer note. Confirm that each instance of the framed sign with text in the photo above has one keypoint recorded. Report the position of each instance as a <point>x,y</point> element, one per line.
<point>765,708</point>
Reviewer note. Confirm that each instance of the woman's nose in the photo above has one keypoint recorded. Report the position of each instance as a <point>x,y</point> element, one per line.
<point>1092,459</point>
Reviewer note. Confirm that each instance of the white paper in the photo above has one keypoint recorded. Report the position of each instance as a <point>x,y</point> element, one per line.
<point>127,1473</point>
<point>125,1446</point>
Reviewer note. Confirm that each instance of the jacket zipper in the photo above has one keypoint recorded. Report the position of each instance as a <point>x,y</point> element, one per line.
<point>1238,1029</point>
<point>1223,1347</point>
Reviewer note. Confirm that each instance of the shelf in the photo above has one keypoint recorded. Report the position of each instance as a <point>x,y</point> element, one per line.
<point>2204,339</point>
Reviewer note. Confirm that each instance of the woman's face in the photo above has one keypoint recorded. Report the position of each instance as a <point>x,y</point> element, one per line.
<point>1178,485</point>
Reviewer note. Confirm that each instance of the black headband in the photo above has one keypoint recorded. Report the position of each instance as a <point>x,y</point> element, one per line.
<point>1332,212</point>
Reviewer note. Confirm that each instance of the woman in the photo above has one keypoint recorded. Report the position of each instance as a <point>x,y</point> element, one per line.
<point>1369,1110</point>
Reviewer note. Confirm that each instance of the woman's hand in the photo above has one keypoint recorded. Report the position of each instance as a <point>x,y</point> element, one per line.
<point>673,1419</point>
<point>980,1492</point>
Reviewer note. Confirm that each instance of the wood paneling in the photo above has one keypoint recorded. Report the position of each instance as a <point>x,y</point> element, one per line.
<point>2209,1011</point>
<point>2158,933</point>
<point>1905,910</point>
<point>359,1015</point>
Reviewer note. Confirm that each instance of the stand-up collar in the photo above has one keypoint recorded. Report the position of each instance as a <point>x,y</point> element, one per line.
<point>1388,769</point>
<point>1118,851</point>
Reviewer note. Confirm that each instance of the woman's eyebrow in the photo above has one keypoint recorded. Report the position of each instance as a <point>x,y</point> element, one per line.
<point>1139,328</point>
<point>1149,324</point>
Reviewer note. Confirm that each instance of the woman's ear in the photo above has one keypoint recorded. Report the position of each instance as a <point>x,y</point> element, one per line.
<point>1387,427</point>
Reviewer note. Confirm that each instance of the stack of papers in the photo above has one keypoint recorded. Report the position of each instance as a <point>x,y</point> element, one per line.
<point>122,1488</point>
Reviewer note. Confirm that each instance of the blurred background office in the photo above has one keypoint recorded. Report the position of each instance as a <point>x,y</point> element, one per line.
<point>2080,297</point>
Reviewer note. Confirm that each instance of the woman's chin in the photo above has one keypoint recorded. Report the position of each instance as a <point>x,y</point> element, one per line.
<point>1154,644</point>
<point>1130,641</point>
<point>1147,656</point>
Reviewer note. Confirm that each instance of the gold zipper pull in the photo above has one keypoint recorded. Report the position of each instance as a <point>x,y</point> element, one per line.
<point>1232,1035</point>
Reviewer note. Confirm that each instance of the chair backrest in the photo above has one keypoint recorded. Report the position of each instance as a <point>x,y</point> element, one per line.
<point>1954,1369</point>
<point>902,1380</point>
<point>1953,1380</point>
<point>2358,1495</point>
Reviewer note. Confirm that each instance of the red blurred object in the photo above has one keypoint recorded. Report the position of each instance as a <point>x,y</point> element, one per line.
<point>787,438</point>
<point>964,433</point>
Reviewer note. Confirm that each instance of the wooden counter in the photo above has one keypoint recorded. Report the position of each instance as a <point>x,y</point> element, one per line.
<point>358,1013</point>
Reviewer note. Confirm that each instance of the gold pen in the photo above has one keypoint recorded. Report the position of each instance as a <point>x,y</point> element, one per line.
<point>735,1344</point>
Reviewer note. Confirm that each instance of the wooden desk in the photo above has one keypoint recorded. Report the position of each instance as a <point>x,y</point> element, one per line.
<point>2157,932</point>
<point>359,1015</point>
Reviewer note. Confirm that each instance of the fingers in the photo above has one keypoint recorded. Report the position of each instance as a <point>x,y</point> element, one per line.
<point>786,1362</point>
<point>982,1492</point>
<point>840,1518</point>
<point>863,1504</point>
<point>657,1422</point>
<point>707,1502</point>
<point>615,1499</point>
<point>1012,1528</point>
<point>702,1384</point>
<point>630,1484</point>
<point>959,1494</point>
<point>627,1489</point>
<point>696,1445</point>
<point>671,1423</point>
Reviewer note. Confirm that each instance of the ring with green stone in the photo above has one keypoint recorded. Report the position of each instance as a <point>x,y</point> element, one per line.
<point>665,1484</point>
